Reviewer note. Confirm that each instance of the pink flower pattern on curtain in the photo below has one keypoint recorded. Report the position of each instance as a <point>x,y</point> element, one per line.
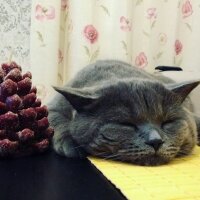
<point>145,34</point>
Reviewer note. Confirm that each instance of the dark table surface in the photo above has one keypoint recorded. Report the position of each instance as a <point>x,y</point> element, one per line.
<point>52,177</point>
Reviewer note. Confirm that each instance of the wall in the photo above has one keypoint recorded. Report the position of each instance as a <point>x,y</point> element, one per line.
<point>15,21</point>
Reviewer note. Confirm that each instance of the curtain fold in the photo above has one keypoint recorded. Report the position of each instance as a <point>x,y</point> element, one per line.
<point>44,45</point>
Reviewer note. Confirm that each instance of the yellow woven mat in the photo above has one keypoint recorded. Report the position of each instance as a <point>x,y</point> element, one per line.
<point>179,180</point>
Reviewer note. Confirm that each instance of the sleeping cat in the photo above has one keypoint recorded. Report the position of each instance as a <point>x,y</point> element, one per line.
<point>113,110</point>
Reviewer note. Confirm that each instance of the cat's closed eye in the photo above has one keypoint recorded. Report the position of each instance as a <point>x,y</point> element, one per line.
<point>129,124</point>
<point>167,123</point>
<point>171,125</point>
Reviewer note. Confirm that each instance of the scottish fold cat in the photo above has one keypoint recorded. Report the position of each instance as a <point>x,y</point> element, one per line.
<point>113,110</point>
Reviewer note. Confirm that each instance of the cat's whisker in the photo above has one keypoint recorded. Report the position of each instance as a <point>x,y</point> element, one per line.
<point>106,157</point>
<point>114,156</point>
<point>183,153</point>
<point>98,154</point>
<point>172,147</point>
<point>131,150</point>
<point>101,154</point>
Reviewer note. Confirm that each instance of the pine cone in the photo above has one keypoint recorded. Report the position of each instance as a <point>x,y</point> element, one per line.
<point>24,126</point>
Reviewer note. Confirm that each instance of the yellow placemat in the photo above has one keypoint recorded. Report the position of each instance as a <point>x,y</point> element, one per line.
<point>179,180</point>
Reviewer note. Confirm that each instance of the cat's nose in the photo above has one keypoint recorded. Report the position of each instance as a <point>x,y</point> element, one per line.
<point>154,139</point>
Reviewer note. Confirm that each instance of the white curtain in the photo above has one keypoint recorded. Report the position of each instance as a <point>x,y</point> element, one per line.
<point>66,35</point>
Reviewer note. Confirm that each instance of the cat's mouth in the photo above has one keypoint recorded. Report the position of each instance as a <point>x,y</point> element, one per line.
<point>152,160</point>
<point>143,160</point>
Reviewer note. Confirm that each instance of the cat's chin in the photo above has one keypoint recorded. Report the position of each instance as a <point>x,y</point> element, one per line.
<point>153,160</point>
<point>147,160</point>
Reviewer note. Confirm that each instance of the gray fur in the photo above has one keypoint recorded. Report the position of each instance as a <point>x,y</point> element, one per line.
<point>109,109</point>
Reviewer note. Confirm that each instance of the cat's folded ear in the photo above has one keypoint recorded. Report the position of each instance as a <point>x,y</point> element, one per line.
<point>80,99</point>
<point>183,89</point>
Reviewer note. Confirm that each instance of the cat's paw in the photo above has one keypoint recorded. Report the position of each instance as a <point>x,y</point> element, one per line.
<point>65,146</point>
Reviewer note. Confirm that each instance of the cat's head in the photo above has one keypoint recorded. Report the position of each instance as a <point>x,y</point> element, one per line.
<point>143,123</point>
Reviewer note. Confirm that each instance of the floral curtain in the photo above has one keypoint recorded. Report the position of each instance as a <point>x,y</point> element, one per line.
<point>66,35</point>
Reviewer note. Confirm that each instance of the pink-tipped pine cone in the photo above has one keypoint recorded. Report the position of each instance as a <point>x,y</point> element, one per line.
<point>24,126</point>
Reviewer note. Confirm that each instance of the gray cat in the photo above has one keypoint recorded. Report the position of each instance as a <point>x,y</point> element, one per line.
<point>115,111</point>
